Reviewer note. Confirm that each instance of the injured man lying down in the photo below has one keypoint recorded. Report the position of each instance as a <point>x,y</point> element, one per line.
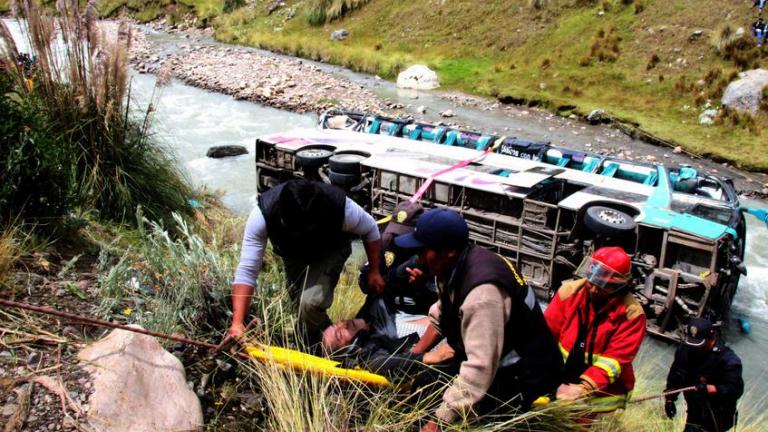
<point>380,340</point>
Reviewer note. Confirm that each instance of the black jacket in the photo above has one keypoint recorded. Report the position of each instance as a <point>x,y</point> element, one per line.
<point>720,367</point>
<point>535,362</point>
<point>309,239</point>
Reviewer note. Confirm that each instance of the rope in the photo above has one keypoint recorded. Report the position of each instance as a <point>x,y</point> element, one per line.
<point>109,324</point>
<point>423,189</point>
<point>662,394</point>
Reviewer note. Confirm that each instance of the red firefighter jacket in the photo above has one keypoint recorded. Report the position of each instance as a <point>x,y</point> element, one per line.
<point>620,331</point>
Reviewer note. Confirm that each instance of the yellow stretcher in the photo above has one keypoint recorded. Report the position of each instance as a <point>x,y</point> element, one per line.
<point>304,362</point>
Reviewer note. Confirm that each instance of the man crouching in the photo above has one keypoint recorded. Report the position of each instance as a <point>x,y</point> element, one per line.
<point>504,352</point>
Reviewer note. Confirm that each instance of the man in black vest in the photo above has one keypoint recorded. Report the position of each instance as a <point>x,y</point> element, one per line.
<point>504,352</point>
<point>310,226</point>
<point>715,370</point>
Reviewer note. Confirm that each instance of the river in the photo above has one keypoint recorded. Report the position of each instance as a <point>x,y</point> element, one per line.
<point>190,120</point>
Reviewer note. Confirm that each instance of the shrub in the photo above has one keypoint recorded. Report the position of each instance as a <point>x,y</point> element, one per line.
<point>605,46</point>
<point>735,118</point>
<point>94,156</point>
<point>34,169</point>
<point>764,100</point>
<point>652,62</point>
<point>539,4</point>
<point>320,12</point>
<point>231,5</point>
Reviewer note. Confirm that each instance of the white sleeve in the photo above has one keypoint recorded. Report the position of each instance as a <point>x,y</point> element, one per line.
<point>357,221</point>
<point>252,253</point>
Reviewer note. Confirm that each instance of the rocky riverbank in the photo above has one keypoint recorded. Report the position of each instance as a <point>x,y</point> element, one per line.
<point>251,75</point>
<point>190,55</point>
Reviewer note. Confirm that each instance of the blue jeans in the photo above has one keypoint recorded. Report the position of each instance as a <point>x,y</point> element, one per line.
<point>760,35</point>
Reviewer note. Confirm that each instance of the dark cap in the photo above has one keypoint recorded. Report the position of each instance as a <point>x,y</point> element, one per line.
<point>698,331</point>
<point>438,229</point>
<point>404,218</point>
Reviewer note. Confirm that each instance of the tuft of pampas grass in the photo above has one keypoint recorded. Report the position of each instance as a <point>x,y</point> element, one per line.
<point>81,83</point>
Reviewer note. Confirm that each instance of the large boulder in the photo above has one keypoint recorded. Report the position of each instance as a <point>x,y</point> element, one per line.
<point>138,386</point>
<point>418,77</point>
<point>226,151</point>
<point>745,93</point>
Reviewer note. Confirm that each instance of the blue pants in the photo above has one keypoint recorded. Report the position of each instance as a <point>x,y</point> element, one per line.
<point>760,4</point>
<point>760,35</point>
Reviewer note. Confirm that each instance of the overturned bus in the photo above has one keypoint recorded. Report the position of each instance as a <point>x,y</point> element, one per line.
<point>544,207</point>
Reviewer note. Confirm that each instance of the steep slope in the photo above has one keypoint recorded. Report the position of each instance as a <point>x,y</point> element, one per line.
<point>639,61</point>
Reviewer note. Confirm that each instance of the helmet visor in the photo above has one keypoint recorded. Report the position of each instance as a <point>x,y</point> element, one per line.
<point>601,275</point>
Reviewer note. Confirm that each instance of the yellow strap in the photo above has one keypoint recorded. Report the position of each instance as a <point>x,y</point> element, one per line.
<point>300,361</point>
<point>384,220</point>
<point>518,278</point>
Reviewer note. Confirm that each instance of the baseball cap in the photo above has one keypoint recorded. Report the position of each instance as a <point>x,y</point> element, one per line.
<point>437,229</point>
<point>698,331</point>
<point>404,218</point>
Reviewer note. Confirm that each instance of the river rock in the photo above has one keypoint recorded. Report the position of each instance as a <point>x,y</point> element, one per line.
<point>226,151</point>
<point>708,116</point>
<point>339,35</point>
<point>596,116</point>
<point>138,386</point>
<point>745,93</point>
<point>696,34</point>
<point>418,77</point>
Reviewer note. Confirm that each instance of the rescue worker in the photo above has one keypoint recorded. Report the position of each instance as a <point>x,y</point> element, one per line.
<point>599,326</point>
<point>504,352</point>
<point>410,296</point>
<point>310,226</point>
<point>705,362</point>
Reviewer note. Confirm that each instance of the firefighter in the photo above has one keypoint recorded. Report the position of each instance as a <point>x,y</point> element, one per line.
<point>705,362</point>
<point>310,226</point>
<point>599,326</point>
<point>503,351</point>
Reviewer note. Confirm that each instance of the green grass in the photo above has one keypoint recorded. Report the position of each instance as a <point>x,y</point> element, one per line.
<point>503,56</point>
<point>72,146</point>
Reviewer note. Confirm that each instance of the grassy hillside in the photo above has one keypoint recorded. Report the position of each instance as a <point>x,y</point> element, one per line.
<point>655,63</point>
<point>570,55</point>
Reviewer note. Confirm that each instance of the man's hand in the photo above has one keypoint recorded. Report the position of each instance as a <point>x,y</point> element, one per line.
<point>705,389</point>
<point>236,334</point>
<point>236,330</point>
<point>431,427</point>
<point>376,282</point>
<point>571,391</point>
<point>670,409</point>
<point>440,354</point>
<point>415,275</point>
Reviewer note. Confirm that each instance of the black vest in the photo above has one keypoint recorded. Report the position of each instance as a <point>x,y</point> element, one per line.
<point>526,332</point>
<point>312,239</point>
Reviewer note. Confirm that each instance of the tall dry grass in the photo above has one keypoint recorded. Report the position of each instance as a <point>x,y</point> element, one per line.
<point>80,86</point>
<point>320,12</point>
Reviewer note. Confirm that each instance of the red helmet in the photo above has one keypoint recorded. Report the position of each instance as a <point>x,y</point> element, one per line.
<point>615,258</point>
<point>609,268</point>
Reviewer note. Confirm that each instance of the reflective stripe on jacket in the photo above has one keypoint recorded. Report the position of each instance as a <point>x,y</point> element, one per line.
<point>616,341</point>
